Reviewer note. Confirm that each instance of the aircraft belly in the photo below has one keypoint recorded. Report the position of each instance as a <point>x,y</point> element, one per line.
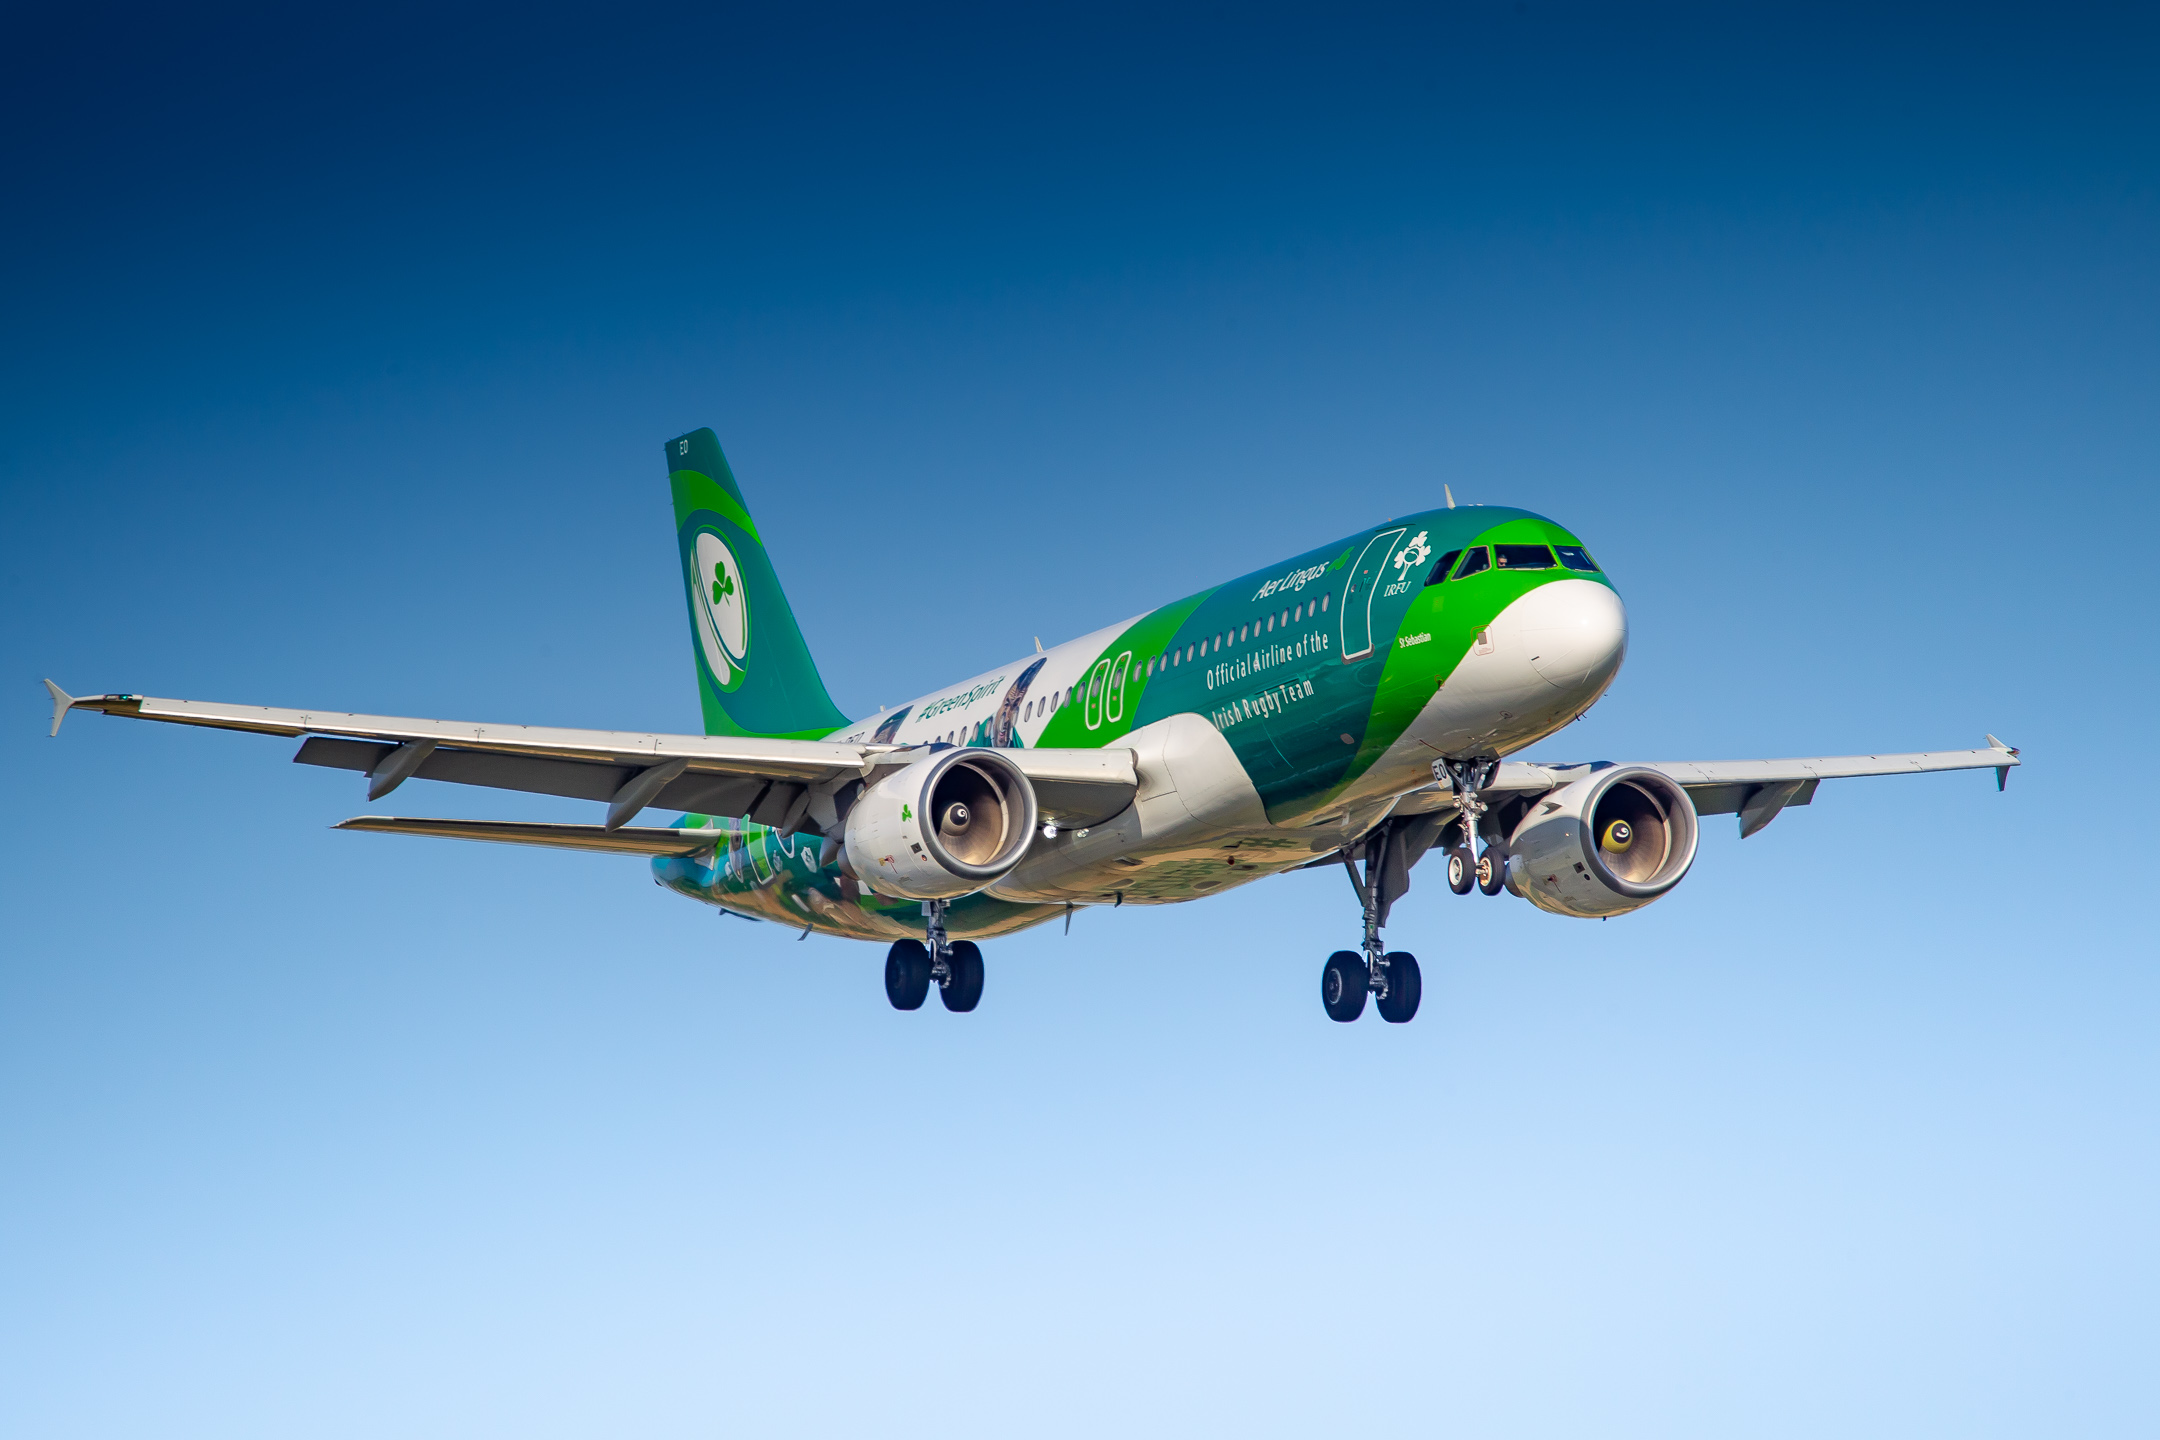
<point>1194,799</point>
<point>761,879</point>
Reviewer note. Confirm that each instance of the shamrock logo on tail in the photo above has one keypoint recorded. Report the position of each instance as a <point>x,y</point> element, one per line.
<point>723,584</point>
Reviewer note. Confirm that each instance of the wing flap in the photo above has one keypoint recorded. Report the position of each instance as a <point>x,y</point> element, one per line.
<point>629,840</point>
<point>1730,799</point>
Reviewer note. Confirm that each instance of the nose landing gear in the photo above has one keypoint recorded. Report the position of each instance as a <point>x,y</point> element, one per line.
<point>956,966</point>
<point>1488,871</point>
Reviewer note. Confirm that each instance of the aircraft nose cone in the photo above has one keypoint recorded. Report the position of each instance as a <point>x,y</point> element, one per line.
<point>1576,633</point>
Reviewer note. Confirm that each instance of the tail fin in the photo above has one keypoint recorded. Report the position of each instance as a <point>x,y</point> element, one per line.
<point>755,675</point>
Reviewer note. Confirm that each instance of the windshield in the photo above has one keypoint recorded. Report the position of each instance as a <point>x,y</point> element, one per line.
<point>1575,557</point>
<point>1473,562</point>
<point>1522,557</point>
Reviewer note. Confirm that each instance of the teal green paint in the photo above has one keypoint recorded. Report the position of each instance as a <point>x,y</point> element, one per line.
<point>755,675</point>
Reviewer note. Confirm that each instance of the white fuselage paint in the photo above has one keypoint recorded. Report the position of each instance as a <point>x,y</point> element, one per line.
<point>960,709</point>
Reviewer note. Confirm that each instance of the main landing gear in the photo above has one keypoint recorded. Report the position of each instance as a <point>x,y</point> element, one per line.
<point>1390,976</point>
<point>956,966</point>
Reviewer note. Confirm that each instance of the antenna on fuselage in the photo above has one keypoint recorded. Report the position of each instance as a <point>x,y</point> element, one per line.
<point>1450,496</point>
<point>1038,645</point>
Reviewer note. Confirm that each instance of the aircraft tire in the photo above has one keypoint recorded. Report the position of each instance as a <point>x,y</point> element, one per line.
<point>1461,871</point>
<point>1491,872</point>
<point>964,990</point>
<point>1406,986</point>
<point>1342,986</point>
<point>907,974</point>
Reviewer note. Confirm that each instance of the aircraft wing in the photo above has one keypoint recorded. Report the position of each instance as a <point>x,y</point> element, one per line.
<point>1755,790</point>
<point>786,784</point>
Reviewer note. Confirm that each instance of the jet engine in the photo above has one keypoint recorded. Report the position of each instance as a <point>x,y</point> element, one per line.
<point>1605,845</point>
<point>942,827</point>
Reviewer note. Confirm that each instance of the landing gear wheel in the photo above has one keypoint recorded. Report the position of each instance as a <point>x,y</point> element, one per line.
<point>907,974</point>
<point>1405,988</point>
<point>964,989</point>
<point>1342,985</point>
<point>1461,874</point>
<point>1491,872</point>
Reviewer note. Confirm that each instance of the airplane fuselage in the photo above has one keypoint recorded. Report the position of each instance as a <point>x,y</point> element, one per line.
<point>1274,718</point>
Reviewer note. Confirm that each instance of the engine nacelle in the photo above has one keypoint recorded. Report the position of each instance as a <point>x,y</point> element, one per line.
<point>943,827</point>
<point>1604,845</point>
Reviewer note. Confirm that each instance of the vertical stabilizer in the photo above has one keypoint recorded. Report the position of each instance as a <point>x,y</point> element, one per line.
<point>755,674</point>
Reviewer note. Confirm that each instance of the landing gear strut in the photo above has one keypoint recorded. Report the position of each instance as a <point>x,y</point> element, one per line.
<point>1467,865</point>
<point>956,966</point>
<point>1390,976</point>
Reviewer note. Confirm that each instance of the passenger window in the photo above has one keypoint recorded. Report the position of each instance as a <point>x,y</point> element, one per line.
<point>1323,602</point>
<point>1522,557</point>
<point>1576,558</point>
<point>1439,571</point>
<point>1473,562</point>
<point>1286,617</point>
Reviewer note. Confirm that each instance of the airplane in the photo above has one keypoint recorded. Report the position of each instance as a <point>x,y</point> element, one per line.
<point>1353,705</point>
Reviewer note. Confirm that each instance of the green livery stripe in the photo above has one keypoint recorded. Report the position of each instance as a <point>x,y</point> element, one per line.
<point>694,492</point>
<point>754,671</point>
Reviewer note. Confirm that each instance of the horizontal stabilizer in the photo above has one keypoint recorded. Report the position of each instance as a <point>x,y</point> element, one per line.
<point>629,840</point>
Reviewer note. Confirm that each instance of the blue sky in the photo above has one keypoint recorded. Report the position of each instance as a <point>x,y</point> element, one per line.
<point>338,354</point>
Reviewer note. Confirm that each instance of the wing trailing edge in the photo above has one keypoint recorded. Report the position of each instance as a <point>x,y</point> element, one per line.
<point>625,840</point>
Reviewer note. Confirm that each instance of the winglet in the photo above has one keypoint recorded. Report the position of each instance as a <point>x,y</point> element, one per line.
<point>2002,772</point>
<point>62,702</point>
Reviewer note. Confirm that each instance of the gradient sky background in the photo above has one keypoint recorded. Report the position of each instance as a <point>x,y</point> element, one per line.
<point>338,354</point>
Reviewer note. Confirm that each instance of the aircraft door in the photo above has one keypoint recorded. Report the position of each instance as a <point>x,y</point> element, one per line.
<point>1364,584</point>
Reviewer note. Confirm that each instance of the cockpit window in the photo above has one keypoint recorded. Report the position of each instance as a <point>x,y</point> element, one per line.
<point>1522,557</point>
<point>1473,562</point>
<point>1439,571</point>
<point>1575,557</point>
